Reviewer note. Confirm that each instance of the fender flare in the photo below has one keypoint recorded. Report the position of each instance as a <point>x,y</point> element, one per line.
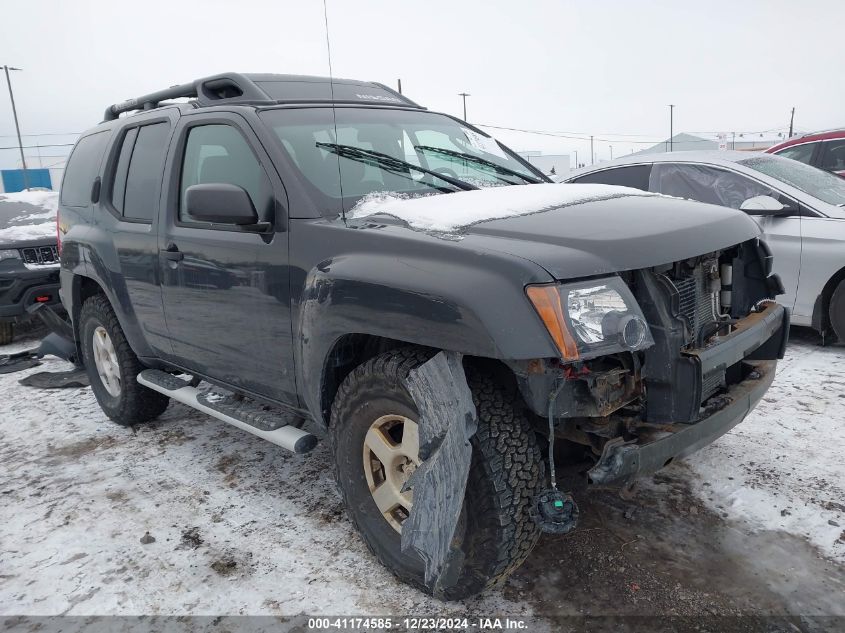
<point>471,308</point>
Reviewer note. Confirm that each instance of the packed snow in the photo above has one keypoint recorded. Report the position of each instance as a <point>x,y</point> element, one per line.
<point>188,516</point>
<point>448,213</point>
<point>28,215</point>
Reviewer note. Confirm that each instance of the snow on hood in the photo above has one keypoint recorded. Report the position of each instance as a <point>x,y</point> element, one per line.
<point>28,215</point>
<point>448,213</point>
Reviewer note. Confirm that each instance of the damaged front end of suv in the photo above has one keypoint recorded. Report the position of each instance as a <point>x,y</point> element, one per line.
<point>657,362</point>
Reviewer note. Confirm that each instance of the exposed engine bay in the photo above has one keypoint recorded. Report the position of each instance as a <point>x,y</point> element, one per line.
<point>696,311</point>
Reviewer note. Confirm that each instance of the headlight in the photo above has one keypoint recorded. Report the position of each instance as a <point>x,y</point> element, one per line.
<point>9,254</point>
<point>591,318</point>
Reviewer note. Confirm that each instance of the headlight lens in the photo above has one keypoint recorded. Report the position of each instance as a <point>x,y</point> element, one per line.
<point>9,254</point>
<point>592,318</point>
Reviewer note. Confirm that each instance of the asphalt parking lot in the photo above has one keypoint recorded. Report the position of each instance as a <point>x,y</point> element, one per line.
<point>186,516</point>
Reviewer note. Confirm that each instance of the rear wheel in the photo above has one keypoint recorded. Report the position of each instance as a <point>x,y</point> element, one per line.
<point>375,441</point>
<point>836,311</point>
<point>7,332</point>
<point>113,367</point>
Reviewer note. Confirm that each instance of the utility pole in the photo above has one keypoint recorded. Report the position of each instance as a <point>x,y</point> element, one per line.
<point>671,126</point>
<point>576,159</point>
<point>791,120</point>
<point>592,153</point>
<point>17,127</point>
<point>733,140</point>
<point>399,82</point>
<point>464,95</point>
<point>611,152</point>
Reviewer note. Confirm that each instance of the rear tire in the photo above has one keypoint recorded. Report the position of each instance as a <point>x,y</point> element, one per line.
<point>119,394</point>
<point>836,311</point>
<point>7,332</point>
<point>495,532</point>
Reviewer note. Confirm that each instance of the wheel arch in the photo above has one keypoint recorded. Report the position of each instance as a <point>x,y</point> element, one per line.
<point>352,350</point>
<point>821,306</point>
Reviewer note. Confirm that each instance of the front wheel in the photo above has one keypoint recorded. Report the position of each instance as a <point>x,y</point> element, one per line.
<point>375,440</point>
<point>113,367</point>
<point>836,311</point>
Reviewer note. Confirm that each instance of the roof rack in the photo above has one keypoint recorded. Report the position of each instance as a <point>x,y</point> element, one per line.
<point>265,89</point>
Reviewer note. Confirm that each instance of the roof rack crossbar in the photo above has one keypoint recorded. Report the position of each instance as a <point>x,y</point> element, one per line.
<point>150,101</point>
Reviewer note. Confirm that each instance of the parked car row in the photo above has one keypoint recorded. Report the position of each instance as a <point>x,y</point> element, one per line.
<point>801,210</point>
<point>825,150</point>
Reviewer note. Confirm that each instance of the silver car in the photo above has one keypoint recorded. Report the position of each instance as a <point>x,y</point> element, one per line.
<point>801,210</point>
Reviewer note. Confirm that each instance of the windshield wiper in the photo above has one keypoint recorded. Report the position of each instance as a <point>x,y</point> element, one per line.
<point>477,159</point>
<point>378,159</point>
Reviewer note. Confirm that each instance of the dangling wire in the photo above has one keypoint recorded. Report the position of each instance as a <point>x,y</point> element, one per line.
<point>334,113</point>
<point>552,400</point>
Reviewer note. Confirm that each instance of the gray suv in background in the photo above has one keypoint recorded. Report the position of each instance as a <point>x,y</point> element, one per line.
<point>801,210</point>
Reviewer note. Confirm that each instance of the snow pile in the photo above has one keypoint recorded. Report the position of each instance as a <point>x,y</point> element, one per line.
<point>447,213</point>
<point>28,215</point>
<point>782,468</point>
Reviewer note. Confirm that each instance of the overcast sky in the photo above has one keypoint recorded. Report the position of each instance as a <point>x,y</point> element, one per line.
<point>606,68</point>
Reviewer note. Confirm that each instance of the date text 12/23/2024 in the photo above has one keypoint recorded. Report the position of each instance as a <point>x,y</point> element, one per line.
<point>416,624</point>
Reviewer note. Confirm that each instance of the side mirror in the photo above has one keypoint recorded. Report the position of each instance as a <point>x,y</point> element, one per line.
<point>220,203</point>
<point>764,205</point>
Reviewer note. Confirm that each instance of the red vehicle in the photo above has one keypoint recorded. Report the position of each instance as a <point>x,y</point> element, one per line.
<point>825,150</point>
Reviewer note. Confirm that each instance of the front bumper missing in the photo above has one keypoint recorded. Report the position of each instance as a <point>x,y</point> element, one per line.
<point>757,341</point>
<point>621,462</point>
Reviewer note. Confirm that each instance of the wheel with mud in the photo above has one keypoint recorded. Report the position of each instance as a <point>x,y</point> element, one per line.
<point>836,311</point>
<point>112,367</point>
<point>375,442</point>
<point>7,332</point>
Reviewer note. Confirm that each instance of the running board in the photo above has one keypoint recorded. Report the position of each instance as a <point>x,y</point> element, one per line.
<point>250,417</point>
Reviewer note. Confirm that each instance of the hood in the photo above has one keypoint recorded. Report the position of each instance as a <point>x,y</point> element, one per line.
<point>614,235</point>
<point>570,230</point>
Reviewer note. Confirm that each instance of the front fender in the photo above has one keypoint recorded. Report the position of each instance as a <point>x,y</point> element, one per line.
<point>470,303</point>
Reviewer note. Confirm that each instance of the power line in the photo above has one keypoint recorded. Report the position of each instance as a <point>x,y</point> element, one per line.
<point>37,146</point>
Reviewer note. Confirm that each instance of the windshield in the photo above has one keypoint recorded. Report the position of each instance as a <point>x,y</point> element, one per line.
<point>819,184</point>
<point>402,152</point>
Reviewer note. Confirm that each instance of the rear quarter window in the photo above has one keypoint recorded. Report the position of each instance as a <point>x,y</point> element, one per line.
<point>635,176</point>
<point>82,168</point>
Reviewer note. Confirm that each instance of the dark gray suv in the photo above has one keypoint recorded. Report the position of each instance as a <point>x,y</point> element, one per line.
<point>290,252</point>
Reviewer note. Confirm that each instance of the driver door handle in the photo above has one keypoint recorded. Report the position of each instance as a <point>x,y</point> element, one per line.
<point>172,253</point>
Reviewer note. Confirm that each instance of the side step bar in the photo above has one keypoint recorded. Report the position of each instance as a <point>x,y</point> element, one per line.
<point>244,415</point>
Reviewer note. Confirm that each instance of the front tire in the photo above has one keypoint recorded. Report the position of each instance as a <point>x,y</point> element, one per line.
<point>113,368</point>
<point>836,311</point>
<point>495,532</point>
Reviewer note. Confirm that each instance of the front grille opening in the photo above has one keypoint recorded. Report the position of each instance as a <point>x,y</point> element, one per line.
<point>40,255</point>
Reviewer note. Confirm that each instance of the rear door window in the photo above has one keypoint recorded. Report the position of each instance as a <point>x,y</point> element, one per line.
<point>801,153</point>
<point>706,184</point>
<point>143,180</point>
<point>82,168</point>
<point>635,176</point>
<point>833,158</point>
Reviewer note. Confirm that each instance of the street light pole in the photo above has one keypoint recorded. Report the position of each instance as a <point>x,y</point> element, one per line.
<point>465,95</point>
<point>611,152</point>
<point>17,127</point>
<point>592,153</point>
<point>671,125</point>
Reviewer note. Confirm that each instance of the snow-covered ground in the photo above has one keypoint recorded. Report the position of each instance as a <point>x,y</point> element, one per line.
<point>189,516</point>
<point>28,215</point>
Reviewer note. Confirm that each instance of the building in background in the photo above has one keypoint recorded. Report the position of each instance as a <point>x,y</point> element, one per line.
<point>687,142</point>
<point>549,164</point>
